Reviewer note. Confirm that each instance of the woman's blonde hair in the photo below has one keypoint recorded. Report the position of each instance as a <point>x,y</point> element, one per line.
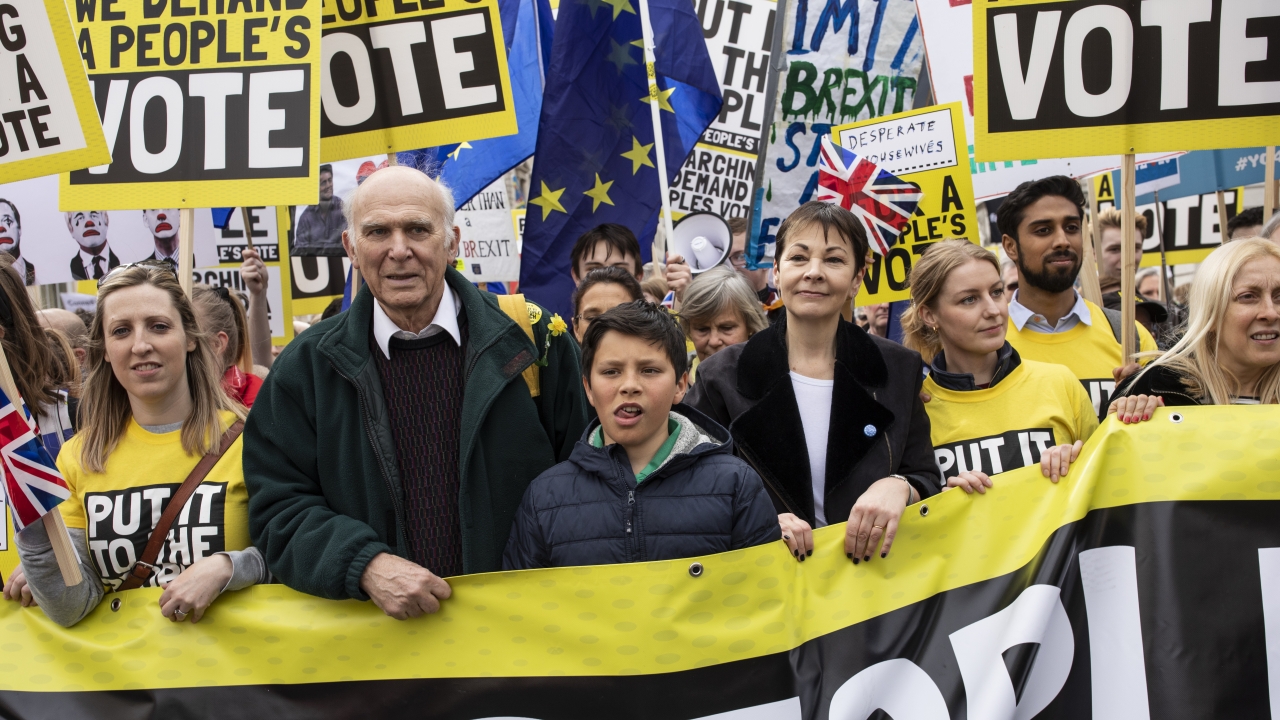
<point>104,407</point>
<point>1195,356</point>
<point>712,292</point>
<point>222,311</point>
<point>928,277</point>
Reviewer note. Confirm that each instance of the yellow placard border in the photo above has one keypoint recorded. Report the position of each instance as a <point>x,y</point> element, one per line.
<point>95,150</point>
<point>648,618</point>
<point>434,132</point>
<point>1103,139</point>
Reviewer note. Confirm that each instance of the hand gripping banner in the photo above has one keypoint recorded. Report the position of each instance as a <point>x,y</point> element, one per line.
<point>1145,585</point>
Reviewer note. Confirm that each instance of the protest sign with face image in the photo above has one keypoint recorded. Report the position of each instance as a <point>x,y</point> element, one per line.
<point>317,229</point>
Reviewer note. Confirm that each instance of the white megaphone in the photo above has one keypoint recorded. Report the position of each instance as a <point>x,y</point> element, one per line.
<point>703,239</point>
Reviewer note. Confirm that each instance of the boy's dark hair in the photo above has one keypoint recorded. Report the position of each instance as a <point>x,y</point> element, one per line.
<point>738,225</point>
<point>829,216</point>
<point>1015,204</point>
<point>618,237</point>
<point>649,322</point>
<point>615,275</point>
<point>1247,218</point>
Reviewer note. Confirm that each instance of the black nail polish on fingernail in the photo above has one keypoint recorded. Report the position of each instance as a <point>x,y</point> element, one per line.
<point>884,555</point>
<point>796,553</point>
<point>867,559</point>
<point>849,555</point>
<point>855,561</point>
<point>810,552</point>
<point>802,558</point>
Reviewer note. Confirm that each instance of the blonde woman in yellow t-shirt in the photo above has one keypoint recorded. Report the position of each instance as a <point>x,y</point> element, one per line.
<point>989,410</point>
<point>151,407</point>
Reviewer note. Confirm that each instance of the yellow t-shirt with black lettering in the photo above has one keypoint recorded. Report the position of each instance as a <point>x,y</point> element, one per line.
<point>119,506</point>
<point>1008,426</point>
<point>1091,352</point>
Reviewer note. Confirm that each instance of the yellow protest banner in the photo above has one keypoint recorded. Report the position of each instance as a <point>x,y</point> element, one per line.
<point>1190,224</point>
<point>1041,91</point>
<point>52,125</point>
<point>393,76</point>
<point>927,148</point>
<point>203,103</point>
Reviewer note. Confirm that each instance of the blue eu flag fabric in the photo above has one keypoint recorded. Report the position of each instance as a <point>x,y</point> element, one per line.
<point>469,167</point>
<point>595,158</point>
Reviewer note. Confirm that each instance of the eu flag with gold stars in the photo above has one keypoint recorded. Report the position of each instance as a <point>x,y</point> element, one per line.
<point>595,158</point>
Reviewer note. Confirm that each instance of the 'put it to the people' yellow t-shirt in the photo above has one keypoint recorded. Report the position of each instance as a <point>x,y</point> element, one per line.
<point>1091,352</point>
<point>119,506</point>
<point>1008,426</point>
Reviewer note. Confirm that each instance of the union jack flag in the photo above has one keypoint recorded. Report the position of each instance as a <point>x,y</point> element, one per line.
<point>33,486</point>
<point>884,203</point>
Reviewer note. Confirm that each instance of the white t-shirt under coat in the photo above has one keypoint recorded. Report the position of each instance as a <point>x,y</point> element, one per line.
<point>813,398</point>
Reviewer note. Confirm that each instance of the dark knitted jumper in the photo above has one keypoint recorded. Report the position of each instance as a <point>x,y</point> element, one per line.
<point>422,384</point>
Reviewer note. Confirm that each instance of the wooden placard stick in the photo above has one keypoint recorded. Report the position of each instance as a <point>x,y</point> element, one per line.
<point>1270,190</point>
<point>186,248</point>
<point>63,551</point>
<point>1222,218</point>
<point>247,218</point>
<point>1128,173</point>
<point>1089,285</point>
<point>1165,293</point>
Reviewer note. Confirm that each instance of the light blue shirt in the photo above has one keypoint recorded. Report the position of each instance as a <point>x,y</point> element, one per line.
<point>1023,317</point>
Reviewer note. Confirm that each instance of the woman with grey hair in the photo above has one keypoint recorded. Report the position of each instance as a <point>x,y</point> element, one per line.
<point>720,309</point>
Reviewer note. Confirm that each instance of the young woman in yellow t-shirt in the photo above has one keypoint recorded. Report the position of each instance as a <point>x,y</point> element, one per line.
<point>989,410</point>
<point>152,407</point>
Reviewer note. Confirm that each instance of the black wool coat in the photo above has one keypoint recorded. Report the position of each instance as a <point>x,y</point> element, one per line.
<point>878,423</point>
<point>589,510</point>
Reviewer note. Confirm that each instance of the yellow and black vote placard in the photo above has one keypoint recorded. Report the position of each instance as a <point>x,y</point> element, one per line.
<point>204,103</point>
<point>47,119</point>
<point>1191,224</point>
<point>1049,588</point>
<point>927,148</point>
<point>1097,77</point>
<point>406,74</point>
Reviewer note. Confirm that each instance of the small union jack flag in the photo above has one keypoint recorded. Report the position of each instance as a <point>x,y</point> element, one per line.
<point>883,202</point>
<point>33,486</point>
<point>669,300</point>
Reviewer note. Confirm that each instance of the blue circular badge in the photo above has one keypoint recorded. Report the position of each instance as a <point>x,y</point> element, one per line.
<point>869,431</point>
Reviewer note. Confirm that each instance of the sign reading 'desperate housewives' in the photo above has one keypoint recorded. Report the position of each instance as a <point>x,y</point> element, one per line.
<point>1089,77</point>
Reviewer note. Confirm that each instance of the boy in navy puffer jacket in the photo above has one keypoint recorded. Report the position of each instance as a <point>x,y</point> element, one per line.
<point>651,479</point>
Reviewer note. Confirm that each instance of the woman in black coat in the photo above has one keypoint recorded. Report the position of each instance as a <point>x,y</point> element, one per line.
<point>829,416</point>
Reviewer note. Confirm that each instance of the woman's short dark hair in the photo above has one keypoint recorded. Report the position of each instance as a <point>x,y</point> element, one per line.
<point>1014,207</point>
<point>829,216</point>
<point>649,322</point>
<point>614,275</point>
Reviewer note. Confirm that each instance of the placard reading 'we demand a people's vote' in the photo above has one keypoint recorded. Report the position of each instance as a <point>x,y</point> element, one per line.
<point>203,102</point>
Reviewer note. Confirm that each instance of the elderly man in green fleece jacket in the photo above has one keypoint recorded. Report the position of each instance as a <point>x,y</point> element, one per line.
<point>391,444</point>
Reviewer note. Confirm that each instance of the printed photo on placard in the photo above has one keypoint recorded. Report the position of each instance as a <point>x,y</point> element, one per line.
<point>317,229</point>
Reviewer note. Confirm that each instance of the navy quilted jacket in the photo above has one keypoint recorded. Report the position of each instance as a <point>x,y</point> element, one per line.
<point>588,510</point>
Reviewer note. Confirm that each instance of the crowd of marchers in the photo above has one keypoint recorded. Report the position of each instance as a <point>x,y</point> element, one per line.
<point>433,429</point>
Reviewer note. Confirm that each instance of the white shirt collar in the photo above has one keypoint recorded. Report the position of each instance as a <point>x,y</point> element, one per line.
<point>174,257</point>
<point>446,320</point>
<point>1021,316</point>
<point>87,260</point>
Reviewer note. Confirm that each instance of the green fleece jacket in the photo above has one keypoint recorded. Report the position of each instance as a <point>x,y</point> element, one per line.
<point>325,494</point>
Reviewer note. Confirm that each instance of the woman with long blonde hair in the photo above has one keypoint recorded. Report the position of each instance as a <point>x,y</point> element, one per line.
<point>1230,353</point>
<point>151,410</point>
<point>990,411</point>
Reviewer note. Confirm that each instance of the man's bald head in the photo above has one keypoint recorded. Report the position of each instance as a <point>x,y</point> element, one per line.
<point>437,196</point>
<point>69,323</point>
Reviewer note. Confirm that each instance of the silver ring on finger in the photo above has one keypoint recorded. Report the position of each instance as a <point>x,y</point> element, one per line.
<point>179,615</point>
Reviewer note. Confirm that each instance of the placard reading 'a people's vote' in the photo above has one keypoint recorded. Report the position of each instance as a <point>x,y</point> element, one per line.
<point>47,121</point>
<point>406,74</point>
<point>203,102</point>
<point>926,148</point>
<point>1090,77</point>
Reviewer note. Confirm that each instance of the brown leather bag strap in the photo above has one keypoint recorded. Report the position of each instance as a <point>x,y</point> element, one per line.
<point>145,567</point>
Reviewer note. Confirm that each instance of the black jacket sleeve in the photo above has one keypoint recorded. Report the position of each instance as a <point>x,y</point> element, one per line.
<point>755,522</point>
<point>707,394</point>
<point>527,547</point>
<point>563,407</point>
<point>918,464</point>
